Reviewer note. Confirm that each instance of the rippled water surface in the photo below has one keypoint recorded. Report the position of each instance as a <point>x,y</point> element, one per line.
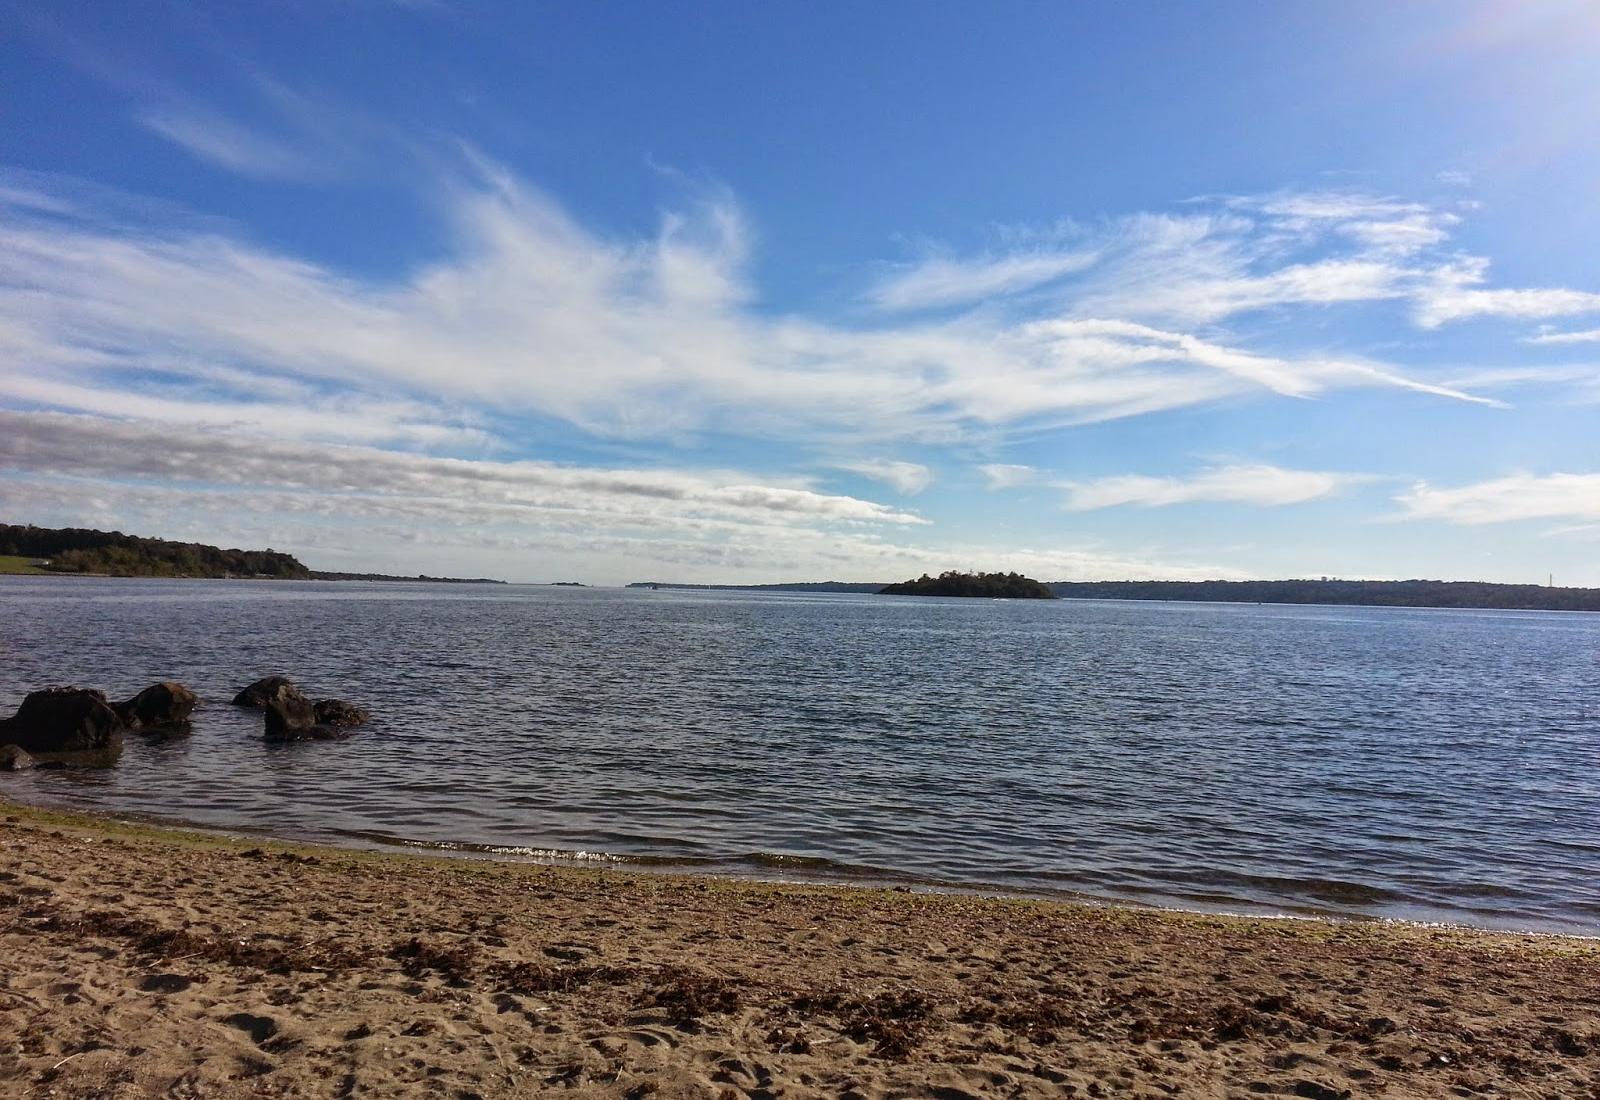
<point>1435,765</point>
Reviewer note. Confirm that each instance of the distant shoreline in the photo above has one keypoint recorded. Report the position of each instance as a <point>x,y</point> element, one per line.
<point>26,550</point>
<point>316,576</point>
<point>324,575</point>
<point>1440,595</point>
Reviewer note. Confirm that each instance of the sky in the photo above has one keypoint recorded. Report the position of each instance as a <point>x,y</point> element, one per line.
<point>731,292</point>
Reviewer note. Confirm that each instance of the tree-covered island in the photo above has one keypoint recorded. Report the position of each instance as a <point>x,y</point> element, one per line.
<point>995,586</point>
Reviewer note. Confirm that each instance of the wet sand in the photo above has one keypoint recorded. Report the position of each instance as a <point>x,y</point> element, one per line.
<point>141,962</point>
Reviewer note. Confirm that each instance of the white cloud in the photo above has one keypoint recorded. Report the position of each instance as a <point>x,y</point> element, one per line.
<point>280,408</point>
<point>1506,499</point>
<point>906,477</point>
<point>1263,485</point>
<point>941,281</point>
<point>1454,293</point>
<point>634,339</point>
<point>1408,233</point>
<point>1196,298</point>
<point>1577,382</point>
<point>1006,475</point>
<point>1452,304</point>
<point>227,144</point>
<point>1588,336</point>
<point>276,132</point>
<point>1390,227</point>
<point>362,508</point>
<point>1248,254</point>
<point>57,444</point>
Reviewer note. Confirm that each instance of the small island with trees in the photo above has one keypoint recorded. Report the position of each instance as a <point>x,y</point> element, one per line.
<point>994,586</point>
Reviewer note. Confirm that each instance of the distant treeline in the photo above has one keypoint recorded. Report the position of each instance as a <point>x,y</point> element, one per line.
<point>324,575</point>
<point>78,550</point>
<point>1415,593</point>
<point>790,586</point>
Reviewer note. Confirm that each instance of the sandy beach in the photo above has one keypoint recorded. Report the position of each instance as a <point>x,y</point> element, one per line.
<point>145,962</point>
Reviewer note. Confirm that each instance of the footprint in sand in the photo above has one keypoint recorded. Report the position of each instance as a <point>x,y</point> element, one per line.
<point>166,983</point>
<point>652,1036</point>
<point>259,1028</point>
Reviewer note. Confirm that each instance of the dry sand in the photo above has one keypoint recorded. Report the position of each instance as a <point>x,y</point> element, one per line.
<point>141,963</point>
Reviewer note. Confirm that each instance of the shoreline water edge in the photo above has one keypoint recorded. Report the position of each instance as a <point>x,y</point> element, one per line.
<point>152,961</point>
<point>777,869</point>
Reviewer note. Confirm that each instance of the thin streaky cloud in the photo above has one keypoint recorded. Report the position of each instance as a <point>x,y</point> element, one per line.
<point>1008,475</point>
<point>1586,336</point>
<point>940,282</point>
<point>57,444</point>
<point>905,477</point>
<point>226,144</point>
<point>1260,485</point>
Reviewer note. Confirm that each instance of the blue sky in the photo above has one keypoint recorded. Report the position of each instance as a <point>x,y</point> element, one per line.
<point>756,292</point>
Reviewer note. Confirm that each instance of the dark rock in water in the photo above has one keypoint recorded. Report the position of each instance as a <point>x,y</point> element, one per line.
<point>309,733</point>
<point>263,691</point>
<point>288,711</point>
<point>63,719</point>
<point>167,731</point>
<point>337,712</point>
<point>292,717</point>
<point>13,759</point>
<point>93,758</point>
<point>163,704</point>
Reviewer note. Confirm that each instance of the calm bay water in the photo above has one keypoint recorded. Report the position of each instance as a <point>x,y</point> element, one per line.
<point>1429,765</point>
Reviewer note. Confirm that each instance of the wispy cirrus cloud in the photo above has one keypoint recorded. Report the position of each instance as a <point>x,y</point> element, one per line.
<point>631,338</point>
<point>281,408</point>
<point>1586,336</point>
<point>941,281</point>
<point>905,477</point>
<point>229,144</point>
<point>1455,296</point>
<point>1236,255</point>
<point>1008,475</point>
<point>1506,499</point>
<point>1258,484</point>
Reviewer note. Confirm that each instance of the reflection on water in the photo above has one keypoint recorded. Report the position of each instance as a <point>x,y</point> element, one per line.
<point>1388,762</point>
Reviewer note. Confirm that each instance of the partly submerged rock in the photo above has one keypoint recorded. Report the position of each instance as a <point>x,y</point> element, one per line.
<point>266,689</point>
<point>91,758</point>
<point>63,720</point>
<point>290,716</point>
<point>293,717</point>
<point>166,704</point>
<point>287,712</point>
<point>337,712</point>
<point>14,759</point>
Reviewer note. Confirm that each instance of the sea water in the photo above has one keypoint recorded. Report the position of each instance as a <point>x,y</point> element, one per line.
<point>1378,762</point>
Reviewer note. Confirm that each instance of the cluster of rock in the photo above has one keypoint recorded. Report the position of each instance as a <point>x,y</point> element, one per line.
<point>79,725</point>
<point>292,717</point>
<point>81,722</point>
